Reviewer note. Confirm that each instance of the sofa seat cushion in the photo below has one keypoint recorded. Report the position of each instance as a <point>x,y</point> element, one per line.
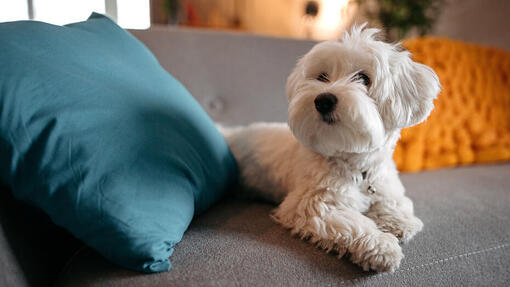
<point>466,241</point>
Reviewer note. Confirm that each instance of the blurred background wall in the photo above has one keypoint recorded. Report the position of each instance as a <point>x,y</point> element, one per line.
<point>478,21</point>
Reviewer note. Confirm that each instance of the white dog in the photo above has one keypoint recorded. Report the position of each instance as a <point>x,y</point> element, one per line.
<point>332,170</point>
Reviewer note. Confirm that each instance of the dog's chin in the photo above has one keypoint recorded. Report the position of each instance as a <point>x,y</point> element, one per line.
<point>330,137</point>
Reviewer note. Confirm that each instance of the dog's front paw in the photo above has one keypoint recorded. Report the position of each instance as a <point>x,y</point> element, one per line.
<point>404,229</point>
<point>408,229</point>
<point>380,253</point>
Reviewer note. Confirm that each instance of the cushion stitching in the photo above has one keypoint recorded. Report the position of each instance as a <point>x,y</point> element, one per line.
<point>434,262</point>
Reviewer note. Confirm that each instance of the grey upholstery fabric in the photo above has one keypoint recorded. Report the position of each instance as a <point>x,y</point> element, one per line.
<point>33,250</point>
<point>11,273</point>
<point>465,242</point>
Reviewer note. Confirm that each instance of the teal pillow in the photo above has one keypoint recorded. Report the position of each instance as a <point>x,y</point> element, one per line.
<point>98,135</point>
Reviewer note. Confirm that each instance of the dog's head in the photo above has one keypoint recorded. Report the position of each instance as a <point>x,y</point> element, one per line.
<point>349,95</point>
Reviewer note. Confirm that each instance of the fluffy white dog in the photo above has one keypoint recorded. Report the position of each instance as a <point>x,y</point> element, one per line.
<point>332,172</point>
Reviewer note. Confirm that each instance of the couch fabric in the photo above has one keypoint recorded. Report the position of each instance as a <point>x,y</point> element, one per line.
<point>465,242</point>
<point>240,79</point>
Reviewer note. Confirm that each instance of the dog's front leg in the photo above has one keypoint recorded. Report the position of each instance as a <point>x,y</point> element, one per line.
<point>341,229</point>
<point>392,211</point>
<point>395,215</point>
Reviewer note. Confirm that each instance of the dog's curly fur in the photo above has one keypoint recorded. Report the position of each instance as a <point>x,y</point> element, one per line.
<point>323,168</point>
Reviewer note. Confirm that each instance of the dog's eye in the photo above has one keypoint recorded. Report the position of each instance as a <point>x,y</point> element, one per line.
<point>362,77</point>
<point>323,77</point>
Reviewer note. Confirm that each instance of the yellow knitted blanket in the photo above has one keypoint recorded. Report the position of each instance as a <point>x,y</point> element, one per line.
<point>471,119</point>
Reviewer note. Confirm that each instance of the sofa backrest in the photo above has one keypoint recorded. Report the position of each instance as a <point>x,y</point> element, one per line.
<point>238,78</point>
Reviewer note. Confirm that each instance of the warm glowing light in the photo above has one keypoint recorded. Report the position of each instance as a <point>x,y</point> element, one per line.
<point>330,23</point>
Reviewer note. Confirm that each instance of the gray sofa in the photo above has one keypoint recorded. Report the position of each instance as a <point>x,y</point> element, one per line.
<point>240,79</point>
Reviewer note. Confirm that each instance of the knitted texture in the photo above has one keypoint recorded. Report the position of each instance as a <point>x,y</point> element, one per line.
<point>471,119</point>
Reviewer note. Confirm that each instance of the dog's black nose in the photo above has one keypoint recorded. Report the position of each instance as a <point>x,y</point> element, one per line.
<point>325,103</point>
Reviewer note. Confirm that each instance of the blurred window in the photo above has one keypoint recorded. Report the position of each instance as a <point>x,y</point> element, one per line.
<point>133,14</point>
<point>129,14</point>
<point>62,12</point>
<point>12,10</point>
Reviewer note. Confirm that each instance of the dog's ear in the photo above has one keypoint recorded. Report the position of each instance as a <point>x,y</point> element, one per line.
<point>414,88</point>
